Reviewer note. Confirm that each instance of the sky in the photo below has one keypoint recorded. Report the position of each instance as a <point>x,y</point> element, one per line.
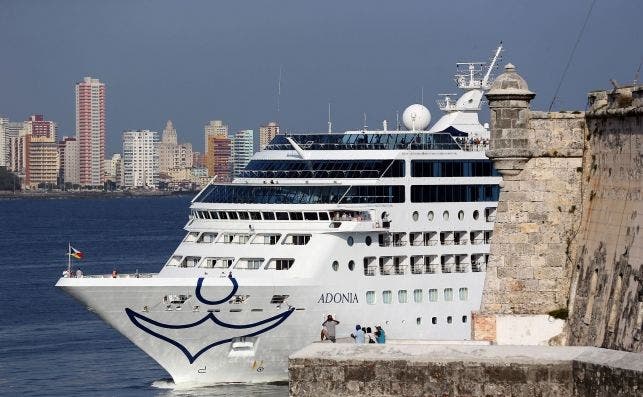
<point>195,61</point>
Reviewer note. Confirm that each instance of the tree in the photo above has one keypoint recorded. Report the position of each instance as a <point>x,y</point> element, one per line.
<point>8,180</point>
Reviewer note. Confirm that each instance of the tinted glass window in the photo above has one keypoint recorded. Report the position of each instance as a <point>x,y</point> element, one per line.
<point>453,193</point>
<point>282,216</point>
<point>268,216</point>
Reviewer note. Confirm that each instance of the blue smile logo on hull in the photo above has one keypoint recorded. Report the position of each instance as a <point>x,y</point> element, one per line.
<point>144,323</point>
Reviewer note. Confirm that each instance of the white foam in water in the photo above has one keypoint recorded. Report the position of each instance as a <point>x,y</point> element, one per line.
<point>163,384</point>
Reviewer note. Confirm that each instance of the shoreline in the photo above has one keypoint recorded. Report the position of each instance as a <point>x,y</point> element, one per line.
<point>9,195</point>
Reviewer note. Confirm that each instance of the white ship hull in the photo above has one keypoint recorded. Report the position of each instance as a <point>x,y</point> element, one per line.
<point>267,359</point>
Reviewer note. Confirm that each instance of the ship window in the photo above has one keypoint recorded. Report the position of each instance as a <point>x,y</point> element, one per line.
<point>228,238</point>
<point>349,241</point>
<point>464,319</point>
<point>416,216</point>
<point>401,296</point>
<point>434,320</point>
<point>297,239</point>
<point>232,215</point>
<point>370,297</point>
<point>249,263</point>
<point>207,238</point>
<point>368,240</point>
<point>454,193</point>
<point>191,237</point>
<point>174,261</point>
<point>190,261</point>
<point>268,216</point>
<point>460,215</point>
<point>280,264</point>
<point>449,319</point>
<point>445,215</point>
<point>214,215</point>
<point>323,216</point>
<point>244,238</point>
<point>310,216</point>
<point>433,295</point>
<point>268,239</point>
<point>386,296</point>
<point>430,216</point>
<point>476,215</point>
<point>220,263</point>
<point>278,299</point>
<point>448,294</point>
<point>223,215</point>
<point>243,215</point>
<point>206,214</point>
<point>417,295</point>
<point>351,265</point>
<point>282,216</point>
<point>296,216</point>
<point>452,168</point>
<point>255,216</point>
<point>464,294</point>
<point>418,321</point>
<point>335,265</point>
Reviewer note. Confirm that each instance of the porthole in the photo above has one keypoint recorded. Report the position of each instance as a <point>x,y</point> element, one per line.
<point>368,240</point>
<point>430,216</point>
<point>476,215</point>
<point>351,265</point>
<point>418,320</point>
<point>449,320</point>
<point>434,320</point>
<point>461,215</point>
<point>416,216</point>
<point>445,215</point>
<point>350,241</point>
<point>384,215</point>
<point>464,319</point>
<point>335,265</point>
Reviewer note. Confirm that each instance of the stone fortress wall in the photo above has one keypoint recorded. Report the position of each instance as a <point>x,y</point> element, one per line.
<point>606,305</point>
<point>567,227</point>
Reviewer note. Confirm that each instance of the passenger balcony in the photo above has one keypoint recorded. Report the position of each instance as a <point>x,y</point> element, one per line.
<point>490,214</point>
<point>446,238</point>
<point>460,238</point>
<point>448,263</point>
<point>369,266</point>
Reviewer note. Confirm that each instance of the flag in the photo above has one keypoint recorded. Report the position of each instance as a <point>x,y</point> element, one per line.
<point>74,253</point>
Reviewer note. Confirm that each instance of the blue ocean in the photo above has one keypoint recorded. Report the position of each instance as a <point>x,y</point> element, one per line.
<point>50,345</point>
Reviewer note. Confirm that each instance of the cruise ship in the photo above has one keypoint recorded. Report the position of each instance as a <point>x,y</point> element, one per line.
<point>388,227</point>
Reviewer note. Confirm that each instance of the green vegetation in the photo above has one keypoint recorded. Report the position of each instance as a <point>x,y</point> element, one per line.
<point>8,180</point>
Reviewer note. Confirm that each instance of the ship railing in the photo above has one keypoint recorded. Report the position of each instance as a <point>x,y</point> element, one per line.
<point>474,147</point>
<point>491,218</point>
<point>122,275</point>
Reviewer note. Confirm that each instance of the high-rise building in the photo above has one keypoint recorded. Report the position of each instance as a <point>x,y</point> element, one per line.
<point>12,131</point>
<point>68,151</point>
<point>242,150</point>
<point>41,150</point>
<point>169,133</point>
<point>90,130</point>
<point>218,158</point>
<point>214,127</point>
<point>266,133</point>
<point>4,143</point>
<point>114,168</point>
<point>140,159</point>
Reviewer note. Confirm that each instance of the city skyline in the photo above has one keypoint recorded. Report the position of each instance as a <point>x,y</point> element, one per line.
<point>340,55</point>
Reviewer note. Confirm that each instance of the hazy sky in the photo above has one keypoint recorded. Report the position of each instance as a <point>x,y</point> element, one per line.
<point>194,61</point>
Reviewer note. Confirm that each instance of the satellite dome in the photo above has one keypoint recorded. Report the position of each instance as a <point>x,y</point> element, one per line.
<point>416,117</point>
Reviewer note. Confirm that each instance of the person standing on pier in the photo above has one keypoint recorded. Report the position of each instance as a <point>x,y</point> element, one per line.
<point>330,324</point>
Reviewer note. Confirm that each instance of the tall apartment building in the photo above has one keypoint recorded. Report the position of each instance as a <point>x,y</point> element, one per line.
<point>171,154</point>
<point>140,159</point>
<point>90,130</point>
<point>12,130</point>
<point>68,151</point>
<point>214,127</point>
<point>39,152</point>
<point>4,144</point>
<point>114,169</point>
<point>266,133</point>
<point>242,150</point>
<point>218,158</point>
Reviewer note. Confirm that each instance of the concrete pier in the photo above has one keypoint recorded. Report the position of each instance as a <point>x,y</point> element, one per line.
<point>463,370</point>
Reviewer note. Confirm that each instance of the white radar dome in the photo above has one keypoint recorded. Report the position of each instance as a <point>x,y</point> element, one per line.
<point>416,117</point>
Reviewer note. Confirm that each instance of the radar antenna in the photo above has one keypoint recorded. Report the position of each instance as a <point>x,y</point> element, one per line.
<point>492,65</point>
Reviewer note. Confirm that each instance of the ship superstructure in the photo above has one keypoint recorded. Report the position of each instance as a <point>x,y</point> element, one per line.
<point>373,227</point>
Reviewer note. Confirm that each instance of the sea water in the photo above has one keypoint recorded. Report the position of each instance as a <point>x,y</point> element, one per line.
<point>49,343</point>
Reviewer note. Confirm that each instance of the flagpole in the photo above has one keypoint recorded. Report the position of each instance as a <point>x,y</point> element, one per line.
<point>69,258</point>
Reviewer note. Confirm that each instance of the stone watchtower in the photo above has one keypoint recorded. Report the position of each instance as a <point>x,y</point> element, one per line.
<point>539,156</point>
